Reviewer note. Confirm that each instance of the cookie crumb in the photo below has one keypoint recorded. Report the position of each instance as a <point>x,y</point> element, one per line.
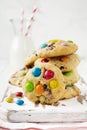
<point>37,103</point>
<point>63,104</point>
<point>81,98</point>
<point>56,104</point>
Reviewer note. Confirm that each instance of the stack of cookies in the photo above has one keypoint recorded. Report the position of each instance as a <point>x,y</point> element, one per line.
<point>50,73</point>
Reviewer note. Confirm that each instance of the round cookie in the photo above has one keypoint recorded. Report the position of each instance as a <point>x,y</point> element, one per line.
<point>71,91</point>
<point>65,63</point>
<point>44,83</point>
<point>17,78</point>
<point>56,48</point>
<point>71,77</point>
<point>60,50</point>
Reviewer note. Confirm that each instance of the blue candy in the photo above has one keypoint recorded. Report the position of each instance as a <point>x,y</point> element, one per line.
<point>19,102</point>
<point>43,45</point>
<point>36,72</point>
<point>70,85</point>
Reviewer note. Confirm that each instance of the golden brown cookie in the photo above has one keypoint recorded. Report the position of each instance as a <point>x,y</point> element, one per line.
<point>44,83</point>
<point>57,48</point>
<point>17,77</point>
<point>71,77</point>
<point>71,91</point>
<point>65,63</point>
<point>52,48</point>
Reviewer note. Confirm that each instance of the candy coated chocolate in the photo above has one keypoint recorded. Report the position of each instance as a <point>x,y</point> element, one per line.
<point>53,84</point>
<point>29,86</point>
<point>44,60</point>
<point>39,89</point>
<point>70,85</point>
<point>19,94</point>
<point>67,73</point>
<point>36,72</point>
<point>19,102</point>
<point>43,45</point>
<point>70,41</point>
<point>48,74</point>
<point>9,99</point>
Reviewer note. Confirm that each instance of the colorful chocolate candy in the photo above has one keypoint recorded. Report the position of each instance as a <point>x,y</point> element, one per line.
<point>54,84</point>
<point>68,73</point>
<point>48,74</point>
<point>69,41</point>
<point>19,102</point>
<point>23,74</point>
<point>36,72</point>
<point>43,45</point>
<point>65,44</point>
<point>42,99</point>
<point>29,86</point>
<point>9,99</point>
<point>45,60</point>
<point>39,89</point>
<point>19,94</point>
<point>70,85</point>
<point>53,41</point>
<point>64,58</point>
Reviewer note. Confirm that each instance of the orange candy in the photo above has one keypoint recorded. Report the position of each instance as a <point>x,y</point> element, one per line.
<point>64,58</point>
<point>39,89</point>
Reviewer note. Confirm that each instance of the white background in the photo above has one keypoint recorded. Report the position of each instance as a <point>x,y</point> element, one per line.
<point>62,19</point>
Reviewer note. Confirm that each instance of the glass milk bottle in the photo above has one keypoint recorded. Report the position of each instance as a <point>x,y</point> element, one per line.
<point>21,47</point>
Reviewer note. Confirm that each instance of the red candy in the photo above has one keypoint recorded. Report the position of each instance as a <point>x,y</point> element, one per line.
<point>19,94</point>
<point>44,60</point>
<point>48,74</point>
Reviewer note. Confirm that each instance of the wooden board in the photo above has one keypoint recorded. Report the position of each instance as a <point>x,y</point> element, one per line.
<point>67,111</point>
<point>73,114</point>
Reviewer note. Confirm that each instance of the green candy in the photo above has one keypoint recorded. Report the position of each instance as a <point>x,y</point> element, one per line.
<point>23,74</point>
<point>29,86</point>
<point>70,41</point>
<point>67,73</point>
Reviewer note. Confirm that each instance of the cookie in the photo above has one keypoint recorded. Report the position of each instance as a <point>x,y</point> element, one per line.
<point>71,77</point>
<point>44,83</point>
<point>17,78</point>
<point>60,48</point>
<point>31,59</point>
<point>56,48</point>
<point>71,91</point>
<point>65,63</point>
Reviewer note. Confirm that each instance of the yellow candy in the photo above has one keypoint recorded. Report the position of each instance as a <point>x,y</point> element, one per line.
<point>54,84</point>
<point>9,99</point>
<point>53,41</point>
<point>42,99</point>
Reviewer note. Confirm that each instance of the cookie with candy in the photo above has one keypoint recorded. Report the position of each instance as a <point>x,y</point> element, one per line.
<point>65,63</point>
<point>52,48</point>
<point>50,73</point>
<point>44,83</point>
<point>17,78</point>
<point>56,48</point>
